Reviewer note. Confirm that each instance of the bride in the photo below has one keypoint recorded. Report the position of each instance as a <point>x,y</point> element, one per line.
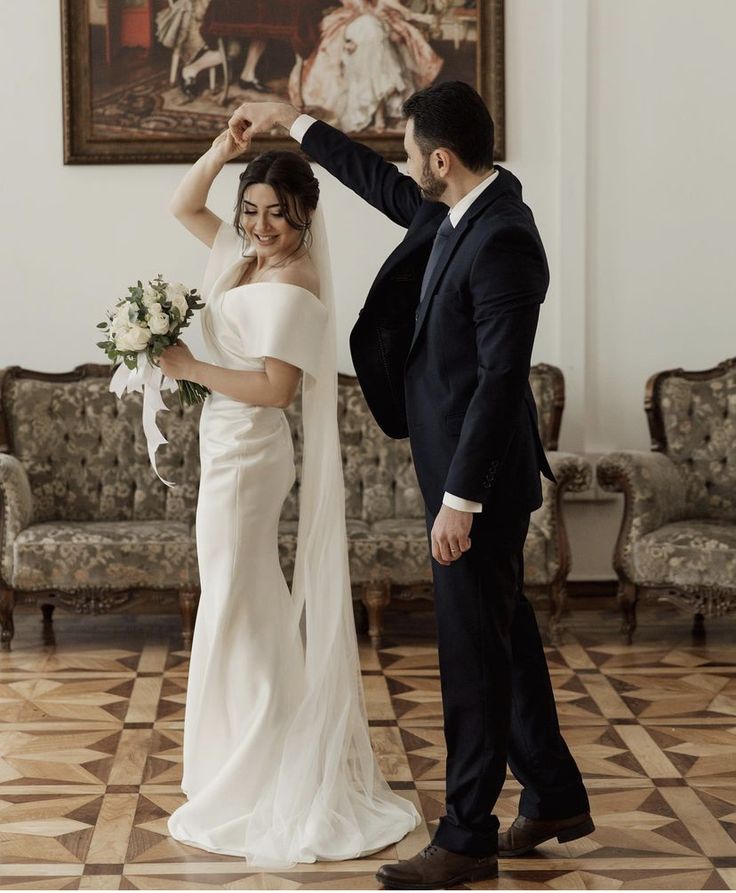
<point>278,765</point>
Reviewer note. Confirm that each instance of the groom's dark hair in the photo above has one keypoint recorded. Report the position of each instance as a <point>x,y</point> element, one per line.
<point>453,116</point>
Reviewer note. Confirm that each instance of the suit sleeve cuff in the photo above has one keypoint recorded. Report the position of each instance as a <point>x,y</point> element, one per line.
<point>299,128</point>
<point>462,505</point>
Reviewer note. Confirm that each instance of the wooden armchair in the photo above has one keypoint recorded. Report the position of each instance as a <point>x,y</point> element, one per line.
<point>678,535</point>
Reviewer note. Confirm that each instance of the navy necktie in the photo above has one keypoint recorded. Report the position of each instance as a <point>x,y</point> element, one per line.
<point>440,240</point>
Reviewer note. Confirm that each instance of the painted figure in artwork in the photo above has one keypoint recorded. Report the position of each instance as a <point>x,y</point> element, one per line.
<point>370,58</point>
<point>246,27</point>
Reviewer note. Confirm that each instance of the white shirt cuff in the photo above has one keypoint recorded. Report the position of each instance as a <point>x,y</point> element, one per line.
<point>299,128</point>
<point>462,505</point>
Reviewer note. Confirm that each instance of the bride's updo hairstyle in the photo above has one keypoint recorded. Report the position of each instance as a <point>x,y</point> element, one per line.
<point>291,178</point>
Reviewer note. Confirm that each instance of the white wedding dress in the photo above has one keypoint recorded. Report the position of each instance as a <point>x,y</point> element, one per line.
<point>278,765</point>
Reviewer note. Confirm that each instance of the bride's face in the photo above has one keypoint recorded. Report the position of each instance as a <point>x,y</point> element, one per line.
<point>267,228</point>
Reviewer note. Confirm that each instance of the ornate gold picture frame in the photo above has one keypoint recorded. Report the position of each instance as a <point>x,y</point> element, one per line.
<point>154,81</point>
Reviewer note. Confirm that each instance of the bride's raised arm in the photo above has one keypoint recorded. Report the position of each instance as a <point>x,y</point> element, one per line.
<point>189,202</point>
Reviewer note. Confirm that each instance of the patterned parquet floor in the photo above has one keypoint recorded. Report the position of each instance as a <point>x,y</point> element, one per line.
<point>90,756</point>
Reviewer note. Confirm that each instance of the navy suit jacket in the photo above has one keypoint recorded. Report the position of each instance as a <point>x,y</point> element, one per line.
<point>451,372</point>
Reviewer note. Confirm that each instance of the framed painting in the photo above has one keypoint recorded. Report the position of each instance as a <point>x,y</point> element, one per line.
<point>156,80</point>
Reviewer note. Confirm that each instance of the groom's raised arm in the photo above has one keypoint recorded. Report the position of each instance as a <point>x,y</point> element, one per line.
<point>359,168</point>
<point>364,171</point>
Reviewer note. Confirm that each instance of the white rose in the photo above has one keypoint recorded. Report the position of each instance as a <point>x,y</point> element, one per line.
<point>177,294</point>
<point>135,338</point>
<point>158,321</point>
<point>121,322</point>
<point>150,296</point>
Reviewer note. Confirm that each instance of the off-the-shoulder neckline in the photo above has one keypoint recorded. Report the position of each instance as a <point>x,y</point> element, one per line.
<point>284,284</point>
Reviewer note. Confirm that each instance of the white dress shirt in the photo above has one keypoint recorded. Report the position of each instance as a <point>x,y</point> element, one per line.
<point>300,127</point>
<point>297,131</point>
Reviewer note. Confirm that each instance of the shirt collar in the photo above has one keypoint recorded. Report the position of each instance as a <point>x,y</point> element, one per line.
<point>457,210</point>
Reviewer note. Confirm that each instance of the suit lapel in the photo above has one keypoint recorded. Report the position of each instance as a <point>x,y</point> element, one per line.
<point>486,198</point>
<point>407,246</point>
<point>453,240</point>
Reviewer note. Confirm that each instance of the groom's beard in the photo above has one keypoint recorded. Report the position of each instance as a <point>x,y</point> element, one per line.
<point>431,187</point>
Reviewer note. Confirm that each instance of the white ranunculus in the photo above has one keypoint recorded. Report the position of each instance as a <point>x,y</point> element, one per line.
<point>158,321</point>
<point>150,296</point>
<point>135,338</point>
<point>177,294</point>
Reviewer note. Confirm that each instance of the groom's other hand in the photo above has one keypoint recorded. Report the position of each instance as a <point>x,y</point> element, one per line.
<point>259,117</point>
<point>450,535</point>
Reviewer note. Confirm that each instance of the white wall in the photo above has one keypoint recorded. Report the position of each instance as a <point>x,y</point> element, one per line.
<point>81,234</point>
<point>619,124</point>
<point>661,201</point>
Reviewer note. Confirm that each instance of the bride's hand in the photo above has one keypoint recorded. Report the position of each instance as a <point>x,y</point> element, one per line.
<point>177,362</point>
<point>251,118</point>
<point>226,147</point>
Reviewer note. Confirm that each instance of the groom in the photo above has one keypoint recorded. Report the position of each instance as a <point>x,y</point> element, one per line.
<point>442,349</point>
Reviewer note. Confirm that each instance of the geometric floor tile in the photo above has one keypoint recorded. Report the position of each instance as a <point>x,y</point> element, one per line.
<point>91,731</point>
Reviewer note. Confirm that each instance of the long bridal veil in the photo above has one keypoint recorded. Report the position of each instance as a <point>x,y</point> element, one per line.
<point>328,798</point>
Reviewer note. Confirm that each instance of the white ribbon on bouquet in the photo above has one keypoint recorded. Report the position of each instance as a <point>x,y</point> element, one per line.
<point>151,381</point>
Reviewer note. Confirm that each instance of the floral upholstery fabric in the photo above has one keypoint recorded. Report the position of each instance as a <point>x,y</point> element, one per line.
<point>654,494</point>
<point>16,509</point>
<point>547,386</point>
<point>688,554</point>
<point>542,556</point>
<point>395,550</point>
<point>105,554</point>
<point>85,453</point>
<point>679,527</point>
<point>81,453</point>
<point>700,427</point>
<point>380,481</point>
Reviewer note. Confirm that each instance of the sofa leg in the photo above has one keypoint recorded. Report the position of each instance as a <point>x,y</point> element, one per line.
<point>360,613</point>
<point>376,597</point>
<point>557,601</point>
<point>188,601</point>
<point>698,627</point>
<point>628,595</point>
<point>7,627</point>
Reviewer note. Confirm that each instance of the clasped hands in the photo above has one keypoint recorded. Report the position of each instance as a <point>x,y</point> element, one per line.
<point>247,120</point>
<point>251,118</point>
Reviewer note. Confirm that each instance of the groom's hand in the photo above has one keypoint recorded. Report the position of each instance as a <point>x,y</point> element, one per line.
<point>450,535</point>
<point>259,117</point>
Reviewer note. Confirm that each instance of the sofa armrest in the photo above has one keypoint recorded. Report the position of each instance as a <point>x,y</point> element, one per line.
<point>654,495</point>
<point>16,511</point>
<point>573,472</point>
<point>651,484</point>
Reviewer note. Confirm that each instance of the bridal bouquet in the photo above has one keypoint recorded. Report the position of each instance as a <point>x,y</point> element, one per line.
<point>138,329</point>
<point>148,321</point>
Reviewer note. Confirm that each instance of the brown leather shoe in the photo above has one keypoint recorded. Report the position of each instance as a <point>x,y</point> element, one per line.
<point>524,834</point>
<point>435,868</point>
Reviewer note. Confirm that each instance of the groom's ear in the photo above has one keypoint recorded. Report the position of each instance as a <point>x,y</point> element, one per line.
<point>441,160</point>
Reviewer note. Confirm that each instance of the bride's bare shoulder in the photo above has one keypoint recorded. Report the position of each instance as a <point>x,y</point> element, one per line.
<point>300,272</point>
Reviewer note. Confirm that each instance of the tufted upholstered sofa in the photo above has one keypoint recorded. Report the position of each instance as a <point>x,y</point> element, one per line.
<point>678,534</point>
<point>84,522</point>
